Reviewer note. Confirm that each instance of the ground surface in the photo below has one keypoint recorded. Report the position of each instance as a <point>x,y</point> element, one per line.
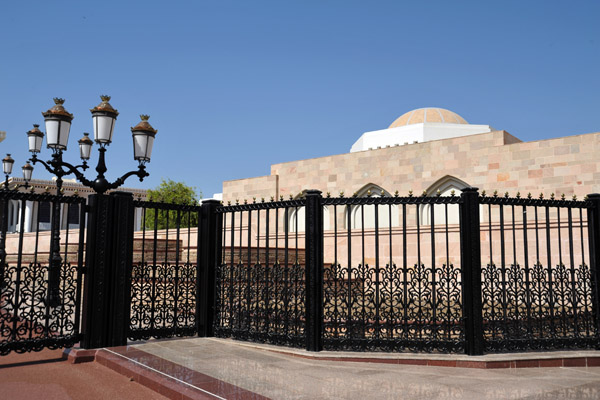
<point>45,375</point>
<point>281,376</point>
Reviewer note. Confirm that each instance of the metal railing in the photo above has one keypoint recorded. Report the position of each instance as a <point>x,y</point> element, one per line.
<point>164,273</point>
<point>537,283</point>
<point>40,284</point>
<point>260,277</point>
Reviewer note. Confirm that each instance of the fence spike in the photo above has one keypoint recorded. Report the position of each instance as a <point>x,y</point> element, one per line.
<point>368,193</point>
<point>552,196</point>
<point>529,195</point>
<point>254,199</point>
<point>506,194</point>
<point>328,194</point>
<point>495,193</point>
<point>396,194</point>
<point>410,193</point>
<point>272,198</point>
<point>541,196</point>
<point>280,197</point>
<point>342,194</point>
<point>562,196</point>
<point>355,194</point>
<point>574,197</point>
<point>482,193</point>
<point>518,195</point>
<point>424,193</point>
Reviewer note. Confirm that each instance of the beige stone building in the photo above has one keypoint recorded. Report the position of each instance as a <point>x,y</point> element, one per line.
<point>435,149</point>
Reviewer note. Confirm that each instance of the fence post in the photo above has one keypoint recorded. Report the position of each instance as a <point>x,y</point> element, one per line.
<point>3,228</point>
<point>594,238</point>
<point>314,271</point>
<point>209,253</point>
<point>470,255</point>
<point>109,258</point>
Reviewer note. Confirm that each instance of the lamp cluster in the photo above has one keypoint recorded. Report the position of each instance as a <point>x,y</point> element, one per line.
<point>58,125</point>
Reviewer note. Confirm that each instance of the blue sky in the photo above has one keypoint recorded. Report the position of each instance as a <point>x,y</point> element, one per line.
<point>235,86</point>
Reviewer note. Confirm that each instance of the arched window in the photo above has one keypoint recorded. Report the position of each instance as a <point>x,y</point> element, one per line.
<point>385,213</point>
<point>445,185</point>
<point>297,218</point>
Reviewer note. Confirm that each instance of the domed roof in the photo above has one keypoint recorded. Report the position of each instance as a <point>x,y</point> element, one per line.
<point>428,114</point>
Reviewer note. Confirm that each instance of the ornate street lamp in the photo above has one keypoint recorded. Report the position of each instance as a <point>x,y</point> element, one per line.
<point>7,166</point>
<point>58,125</point>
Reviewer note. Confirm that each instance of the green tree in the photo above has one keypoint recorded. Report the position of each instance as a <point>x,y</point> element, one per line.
<point>172,192</point>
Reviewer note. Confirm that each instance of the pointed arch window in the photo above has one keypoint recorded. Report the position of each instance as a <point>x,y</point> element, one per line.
<point>446,186</point>
<point>364,215</point>
<point>297,218</point>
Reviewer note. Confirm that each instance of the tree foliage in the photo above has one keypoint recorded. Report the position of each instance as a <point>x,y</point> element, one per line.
<point>172,192</point>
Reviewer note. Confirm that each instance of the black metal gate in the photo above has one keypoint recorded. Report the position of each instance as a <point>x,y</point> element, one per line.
<point>40,285</point>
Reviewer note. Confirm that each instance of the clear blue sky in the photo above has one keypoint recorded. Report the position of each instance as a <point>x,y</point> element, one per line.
<point>233,87</point>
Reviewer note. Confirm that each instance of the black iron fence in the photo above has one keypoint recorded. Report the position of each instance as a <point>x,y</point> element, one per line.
<point>462,273</point>
<point>537,282</point>
<point>421,273</point>
<point>164,273</point>
<point>392,282</point>
<point>40,278</point>
<point>260,277</point>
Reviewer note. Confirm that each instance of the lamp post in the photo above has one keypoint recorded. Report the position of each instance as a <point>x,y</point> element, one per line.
<point>58,125</point>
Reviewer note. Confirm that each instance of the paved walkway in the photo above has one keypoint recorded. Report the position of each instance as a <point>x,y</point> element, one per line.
<point>283,376</point>
<point>46,375</point>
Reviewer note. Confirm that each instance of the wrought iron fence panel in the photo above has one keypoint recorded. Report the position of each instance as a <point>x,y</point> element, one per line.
<point>392,278</point>
<point>260,276</point>
<point>41,274</point>
<point>536,281</point>
<point>164,274</point>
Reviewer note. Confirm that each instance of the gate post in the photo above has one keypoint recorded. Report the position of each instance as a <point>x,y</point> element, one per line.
<point>594,239</point>
<point>109,257</point>
<point>314,271</point>
<point>470,255</point>
<point>208,255</point>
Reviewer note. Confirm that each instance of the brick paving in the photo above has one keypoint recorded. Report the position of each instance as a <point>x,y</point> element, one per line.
<point>47,375</point>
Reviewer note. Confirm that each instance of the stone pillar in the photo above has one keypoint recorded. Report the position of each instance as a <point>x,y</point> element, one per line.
<point>28,216</point>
